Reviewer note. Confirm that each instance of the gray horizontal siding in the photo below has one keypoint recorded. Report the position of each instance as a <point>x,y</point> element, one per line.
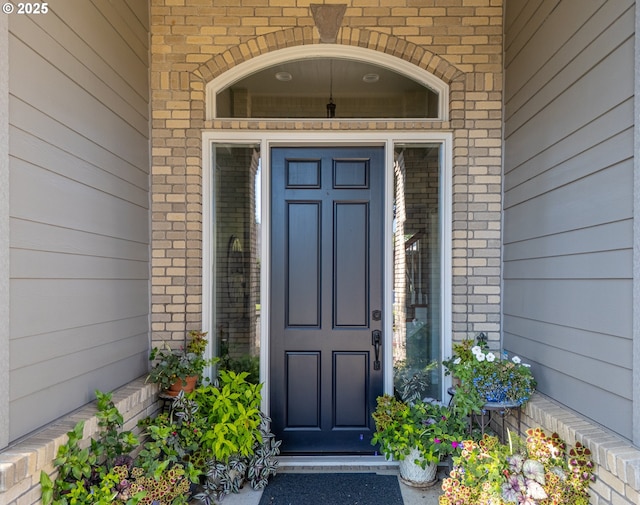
<point>581,154</point>
<point>67,396</point>
<point>578,340</point>
<point>568,203</point>
<point>76,108</point>
<point>569,112</point>
<point>553,45</point>
<point>79,205</point>
<point>603,197</point>
<point>42,347</point>
<point>79,363</point>
<point>567,378</point>
<point>609,236</point>
<point>591,265</point>
<point>42,236</point>
<point>56,200</point>
<point>69,303</point>
<point>584,304</point>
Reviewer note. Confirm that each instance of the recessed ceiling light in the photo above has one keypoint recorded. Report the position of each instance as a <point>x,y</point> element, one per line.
<point>284,76</point>
<point>371,78</point>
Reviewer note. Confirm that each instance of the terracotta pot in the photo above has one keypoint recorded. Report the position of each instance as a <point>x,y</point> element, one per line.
<point>414,475</point>
<point>187,386</point>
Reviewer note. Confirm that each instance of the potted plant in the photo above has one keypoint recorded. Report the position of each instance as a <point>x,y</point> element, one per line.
<point>418,435</point>
<point>538,472</point>
<point>176,370</point>
<point>481,377</point>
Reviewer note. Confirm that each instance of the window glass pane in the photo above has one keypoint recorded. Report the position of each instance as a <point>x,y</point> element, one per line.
<point>417,265</point>
<point>304,88</point>
<point>237,256</point>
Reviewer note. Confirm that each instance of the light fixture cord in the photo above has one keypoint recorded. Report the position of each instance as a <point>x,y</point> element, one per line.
<point>331,80</point>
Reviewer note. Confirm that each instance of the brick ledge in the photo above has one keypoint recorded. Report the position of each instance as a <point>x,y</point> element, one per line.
<point>616,458</point>
<point>26,458</point>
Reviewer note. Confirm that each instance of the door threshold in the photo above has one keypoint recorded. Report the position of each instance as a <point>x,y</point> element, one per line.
<point>328,463</point>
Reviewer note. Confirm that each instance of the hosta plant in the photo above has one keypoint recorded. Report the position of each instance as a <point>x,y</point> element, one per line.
<point>540,471</point>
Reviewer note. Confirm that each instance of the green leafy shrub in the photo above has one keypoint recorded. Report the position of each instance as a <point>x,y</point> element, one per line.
<point>218,434</point>
<point>431,428</point>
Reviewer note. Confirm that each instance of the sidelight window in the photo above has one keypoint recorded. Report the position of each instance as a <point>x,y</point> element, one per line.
<point>236,258</point>
<point>417,273</point>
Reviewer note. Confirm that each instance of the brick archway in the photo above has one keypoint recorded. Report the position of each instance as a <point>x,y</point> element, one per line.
<point>409,52</point>
<point>291,37</point>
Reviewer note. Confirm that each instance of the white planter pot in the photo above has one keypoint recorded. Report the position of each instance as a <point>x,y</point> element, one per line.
<point>414,475</point>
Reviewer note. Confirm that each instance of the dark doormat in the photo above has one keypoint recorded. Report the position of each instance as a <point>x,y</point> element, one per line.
<point>332,489</point>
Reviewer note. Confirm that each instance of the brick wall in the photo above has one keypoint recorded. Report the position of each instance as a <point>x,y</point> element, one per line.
<point>192,42</point>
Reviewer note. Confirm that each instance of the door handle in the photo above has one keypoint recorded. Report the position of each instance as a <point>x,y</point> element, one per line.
<point>376,341</point>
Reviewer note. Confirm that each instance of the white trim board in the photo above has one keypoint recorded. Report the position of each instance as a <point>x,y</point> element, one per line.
<point>4,233</point>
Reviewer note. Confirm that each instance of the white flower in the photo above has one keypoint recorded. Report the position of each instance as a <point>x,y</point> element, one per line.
<point>476,349</point>
<point>526,364</point>
<point>491,357</point>
<point>516,360</point>
<point>480,356</point>
<point>457,361</point>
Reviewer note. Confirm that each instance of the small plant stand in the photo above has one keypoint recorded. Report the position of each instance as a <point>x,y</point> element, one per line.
<point>167,402</point>
<point>502,409</point>
<point>483,420</point>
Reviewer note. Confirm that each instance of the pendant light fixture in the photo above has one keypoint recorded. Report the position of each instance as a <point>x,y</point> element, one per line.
<point>331,107</point>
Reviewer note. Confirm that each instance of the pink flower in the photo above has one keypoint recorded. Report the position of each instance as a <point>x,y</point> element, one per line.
<point>437,441</point>
<point>455,444</point>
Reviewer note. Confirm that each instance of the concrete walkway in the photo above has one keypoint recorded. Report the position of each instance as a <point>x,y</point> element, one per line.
<point>410,496</point>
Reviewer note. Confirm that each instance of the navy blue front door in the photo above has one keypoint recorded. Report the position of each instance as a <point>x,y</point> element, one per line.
<point>326,297</point>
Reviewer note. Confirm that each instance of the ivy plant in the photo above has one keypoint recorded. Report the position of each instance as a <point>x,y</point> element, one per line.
<point>103,473</point>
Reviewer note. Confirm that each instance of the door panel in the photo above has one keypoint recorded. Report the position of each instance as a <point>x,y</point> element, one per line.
<point>351,264</point>
<point>350,396</point>
<point>303,268</point>
<point>303,389</point>
<point>326,279</point>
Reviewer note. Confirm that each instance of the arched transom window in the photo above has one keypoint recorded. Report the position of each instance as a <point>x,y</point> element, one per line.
<point>314,83</point>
